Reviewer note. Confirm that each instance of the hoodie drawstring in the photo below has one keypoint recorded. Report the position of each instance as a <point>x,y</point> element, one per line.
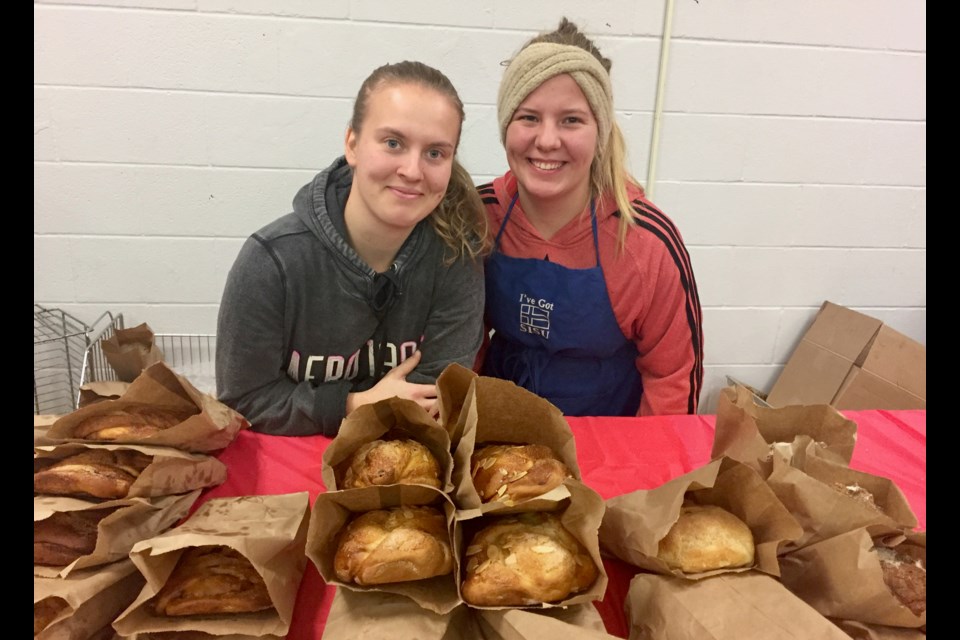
<point>385,290</point>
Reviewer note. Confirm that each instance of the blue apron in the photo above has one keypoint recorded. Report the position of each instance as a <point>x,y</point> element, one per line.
<point>556,335</point>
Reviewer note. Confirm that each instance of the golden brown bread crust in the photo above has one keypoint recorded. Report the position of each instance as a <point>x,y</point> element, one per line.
<point>707,537</point>
<point>96,472</point>
<point>511,473</point>
<point>45,611</point>
<point>400,544</point>
<point>906,577</point>
<point>66,536</point>
<point>132,422</point>
<point>210,580</point>
<point>526,559</point>
<point>383,462</point>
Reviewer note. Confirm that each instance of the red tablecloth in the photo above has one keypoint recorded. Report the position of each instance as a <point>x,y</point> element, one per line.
<point>616,456</point>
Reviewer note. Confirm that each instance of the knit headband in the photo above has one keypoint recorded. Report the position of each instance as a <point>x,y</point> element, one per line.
<point>541,61</point>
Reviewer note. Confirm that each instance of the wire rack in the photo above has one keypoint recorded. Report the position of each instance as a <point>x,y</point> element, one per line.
<point>61,344</point>
<point>188,350</point>
<point>192,355</point>
<point>67,354</point>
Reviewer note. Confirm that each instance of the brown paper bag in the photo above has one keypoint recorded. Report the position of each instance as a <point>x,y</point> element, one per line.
<point>94,392</point>
<point>91,599</point>
<point>747,432</point>
<point>270,531</point>
<point>379,615</point>
<point>394,418</point>
<point>634,523</point>
<point>213,426</point>
<point>133,520</point>
<point>376,615</point>
<point>453,385</point>
<point>332,511</point>
<point>863,631</point>
<point>580,514</point>
<point>170,472</point>
<point>577,622</point>
<point>130,351</point>
<point>41,425</point>
<point>194,635</point>
<point>811,495</point>
<point>498,411</point>
<point>731,606</point>
<point>841,578</point>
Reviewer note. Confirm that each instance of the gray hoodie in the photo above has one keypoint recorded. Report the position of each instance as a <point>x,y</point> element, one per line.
<point>304,320</point>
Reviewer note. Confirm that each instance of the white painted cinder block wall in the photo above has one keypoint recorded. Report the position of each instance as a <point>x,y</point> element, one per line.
<point>792,152</point>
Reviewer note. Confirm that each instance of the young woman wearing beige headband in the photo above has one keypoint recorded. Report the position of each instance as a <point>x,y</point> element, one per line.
<point>596,311</point>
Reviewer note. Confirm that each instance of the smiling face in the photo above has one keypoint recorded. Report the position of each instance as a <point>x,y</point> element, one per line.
<point>402,157</point>
<point>551,141</point>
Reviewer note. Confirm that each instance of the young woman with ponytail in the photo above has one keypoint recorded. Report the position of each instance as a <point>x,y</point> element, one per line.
<point>374,283</point>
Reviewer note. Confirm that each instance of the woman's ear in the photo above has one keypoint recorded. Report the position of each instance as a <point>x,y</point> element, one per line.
<point>350,147</point>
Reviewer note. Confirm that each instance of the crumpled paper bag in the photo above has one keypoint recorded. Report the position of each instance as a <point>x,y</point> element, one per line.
<point>383,616</point>
<point>171,471</point>
<point>133,520</point>
<point>809,492</point>
<point>393,418</point>
<point>750,433</point>
<point>94,392</point>
<point>270,531</point>
<point>41,426</point>
<point>499,412</point>
<point>130,351</point>
<point>863,631</point>
<point>634,523</point>
<point>93,597</point>
<point>581,622</point>
<point>332,511</point>
<point>729,606</point>
<point>212,426</point>
<point>453,384</point>
<point>580,514</point>
<point>841,577</point>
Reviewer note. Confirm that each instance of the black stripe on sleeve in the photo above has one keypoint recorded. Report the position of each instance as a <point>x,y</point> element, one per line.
<point>487,193</point>
<point>653,220</point>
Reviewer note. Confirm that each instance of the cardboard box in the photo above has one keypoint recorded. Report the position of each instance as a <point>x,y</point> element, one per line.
<point>852,361</point>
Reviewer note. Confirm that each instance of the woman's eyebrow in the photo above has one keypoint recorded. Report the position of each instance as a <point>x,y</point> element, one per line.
<point>395,133</point>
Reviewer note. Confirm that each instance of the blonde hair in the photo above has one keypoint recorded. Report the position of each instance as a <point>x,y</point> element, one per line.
<point>608,171</point>
<point>460,219</point>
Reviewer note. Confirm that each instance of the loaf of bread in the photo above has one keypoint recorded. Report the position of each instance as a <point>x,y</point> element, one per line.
<point>399,544</point>
<point>66,536</point>
<point>98,473</point>
<point>382,462</point>
<point>525,559</point>
<point>905,576</point>
<point>211,580</point>
<point>132,422</point>
<point>511,473</point>
<point>707,537</point>
<point>45,611</point>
